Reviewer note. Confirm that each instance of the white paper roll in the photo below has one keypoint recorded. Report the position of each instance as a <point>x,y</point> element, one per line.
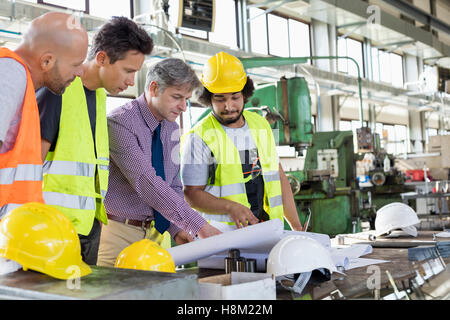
<point>260,236</point>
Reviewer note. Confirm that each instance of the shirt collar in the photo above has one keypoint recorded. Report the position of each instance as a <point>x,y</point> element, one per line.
<point>148,116</point>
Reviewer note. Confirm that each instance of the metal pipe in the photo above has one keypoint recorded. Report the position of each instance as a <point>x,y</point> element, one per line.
<point>280,61</point>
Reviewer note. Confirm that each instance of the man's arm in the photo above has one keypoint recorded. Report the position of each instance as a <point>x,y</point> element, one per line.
<point>203,201</point>
<point>49,106</point>
<point>290,209</point>
<point>12,92</point>
<point>45,146</point>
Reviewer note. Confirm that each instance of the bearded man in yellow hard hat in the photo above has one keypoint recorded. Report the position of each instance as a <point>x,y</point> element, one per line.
<point>229,165</point>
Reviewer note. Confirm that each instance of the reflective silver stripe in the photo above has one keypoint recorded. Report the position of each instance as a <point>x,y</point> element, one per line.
<point>70,168</point>
<point>23,172</point>
<point>271,176</point>
<point>103,167</point>
<point>69,201</point>
<point>217,217</point>
<point>8,207</point>
<point>276,201</point>
<point>103,192</point>
<point>101,158</point>
<point>228,190</point>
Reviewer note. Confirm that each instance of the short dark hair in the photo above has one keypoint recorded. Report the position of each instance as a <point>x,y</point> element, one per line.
<point>118,36</point>
<point>204,95</point>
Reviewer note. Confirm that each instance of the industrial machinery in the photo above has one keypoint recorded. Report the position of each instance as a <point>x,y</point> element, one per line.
<point>379,181</point>
<point>323,179</point>
<point>326,185</point>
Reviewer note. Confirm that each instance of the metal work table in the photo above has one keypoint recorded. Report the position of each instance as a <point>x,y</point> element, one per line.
<point>102,284</point>
<point>112,283</point>
<point>354,285</point>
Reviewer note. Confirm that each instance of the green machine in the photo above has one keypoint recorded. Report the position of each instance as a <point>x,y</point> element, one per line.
<point>325,187</point>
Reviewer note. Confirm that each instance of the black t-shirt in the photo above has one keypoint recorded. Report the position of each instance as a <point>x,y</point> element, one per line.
<point>255,186</point>
<point>50,113</point>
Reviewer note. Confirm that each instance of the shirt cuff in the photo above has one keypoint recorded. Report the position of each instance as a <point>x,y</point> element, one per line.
<point>173,230</point>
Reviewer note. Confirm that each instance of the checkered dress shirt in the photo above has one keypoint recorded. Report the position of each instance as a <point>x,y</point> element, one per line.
<point>134,189</point>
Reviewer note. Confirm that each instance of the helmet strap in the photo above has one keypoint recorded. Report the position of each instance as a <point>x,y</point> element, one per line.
<point>300,283</point>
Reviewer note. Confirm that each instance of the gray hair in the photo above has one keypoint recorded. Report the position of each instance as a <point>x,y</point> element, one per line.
<point>172,72</point>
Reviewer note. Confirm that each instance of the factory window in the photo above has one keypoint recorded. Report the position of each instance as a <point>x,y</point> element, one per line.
<point>393,138</point>
<point>299,39</point>
<point>432,132</point>
<point>278,35</point>
<point>107,9</point>
<point>345,125</point>
<point>225,24</point>
<point>354,49</point>
<point>258,31</point>
<point>115,102</point>
<point>79,5</point>
<point>99,8</point>
<point>387,67</point>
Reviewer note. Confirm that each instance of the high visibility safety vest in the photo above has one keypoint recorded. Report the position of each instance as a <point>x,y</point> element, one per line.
<point>229,182</point>
<point>72,170</point>
<point>21,167</point>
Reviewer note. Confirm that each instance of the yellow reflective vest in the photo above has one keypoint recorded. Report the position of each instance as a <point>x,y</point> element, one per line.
<point>229,182</point>
<point>74,177</point>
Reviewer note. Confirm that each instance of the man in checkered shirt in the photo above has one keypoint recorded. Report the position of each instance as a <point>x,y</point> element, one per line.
<point>137,194</point>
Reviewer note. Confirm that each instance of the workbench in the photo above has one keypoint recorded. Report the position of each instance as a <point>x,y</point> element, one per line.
<point>111,283</point>
<point>102,284</point>
<point>356,284</point>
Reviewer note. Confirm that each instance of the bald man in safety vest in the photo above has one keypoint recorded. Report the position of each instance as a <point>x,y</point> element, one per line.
<point>51,54</point>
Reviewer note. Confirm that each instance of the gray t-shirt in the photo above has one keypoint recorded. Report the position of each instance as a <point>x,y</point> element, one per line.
<point>198,165</point>
<point>197,157</point>
<point>13,84</point>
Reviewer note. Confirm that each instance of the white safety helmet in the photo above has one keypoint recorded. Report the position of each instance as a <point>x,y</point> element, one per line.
<point>396,215</point>
<point>297,254</point>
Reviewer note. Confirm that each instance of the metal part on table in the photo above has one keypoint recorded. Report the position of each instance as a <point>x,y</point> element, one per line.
<point>422,253</point>
<point>102,284</point>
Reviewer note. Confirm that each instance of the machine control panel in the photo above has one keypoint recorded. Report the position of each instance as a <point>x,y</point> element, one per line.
<point>327,159</point>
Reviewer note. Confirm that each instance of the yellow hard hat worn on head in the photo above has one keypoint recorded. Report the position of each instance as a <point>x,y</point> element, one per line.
<point>145,255</point>
<point>42,238</point>
<point>223,73</point>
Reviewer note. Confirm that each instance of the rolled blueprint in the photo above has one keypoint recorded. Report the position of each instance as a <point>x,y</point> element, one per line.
<point>261,236</point>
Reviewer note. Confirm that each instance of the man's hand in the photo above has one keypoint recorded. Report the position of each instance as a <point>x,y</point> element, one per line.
<point>208,231</point>
<point>182,237</point>
<point>241,215</point>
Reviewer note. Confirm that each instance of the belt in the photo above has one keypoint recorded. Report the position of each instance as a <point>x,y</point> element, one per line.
<point>145,224</point>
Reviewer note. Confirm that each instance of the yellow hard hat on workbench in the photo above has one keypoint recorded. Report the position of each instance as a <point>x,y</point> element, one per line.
<point>145,255</point>
<point>42,238</point>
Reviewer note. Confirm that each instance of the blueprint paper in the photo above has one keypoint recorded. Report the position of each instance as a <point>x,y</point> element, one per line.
<point>355,251</point>
<point>257,237</point>
<point>8,266</point>
<point>362,262</point>
<point>443,235</point>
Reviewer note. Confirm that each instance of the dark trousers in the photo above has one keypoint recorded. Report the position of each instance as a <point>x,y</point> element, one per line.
<point>90,243</point>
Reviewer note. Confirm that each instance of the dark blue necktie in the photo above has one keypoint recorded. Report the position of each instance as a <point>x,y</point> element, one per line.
<point>161,223</point>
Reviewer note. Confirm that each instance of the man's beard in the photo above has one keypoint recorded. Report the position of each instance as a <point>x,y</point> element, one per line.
<point>227,121</point>
<point>55,83</point>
